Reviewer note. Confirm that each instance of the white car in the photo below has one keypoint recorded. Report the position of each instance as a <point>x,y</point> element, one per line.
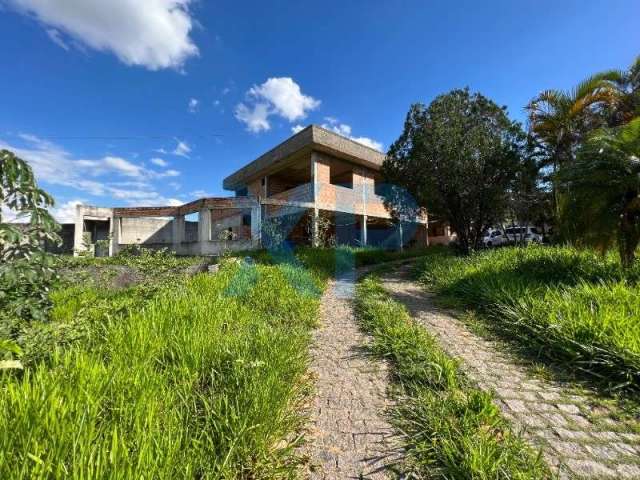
<point>522,235</point>
<point>511,235</point>
<point>494,238</point>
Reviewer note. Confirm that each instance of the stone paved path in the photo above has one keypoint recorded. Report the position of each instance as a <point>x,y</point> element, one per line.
<point>350,437</point>
<point>577,439</point>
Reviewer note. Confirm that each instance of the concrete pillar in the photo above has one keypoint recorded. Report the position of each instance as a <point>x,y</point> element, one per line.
<point>363,230</point>
<point>256,225</point>
<point>177,233</point>
<point>78,231</point>
<point>314,227</point>
<point>315,185</point>
<point>204,225</point>
<point>115,235</point>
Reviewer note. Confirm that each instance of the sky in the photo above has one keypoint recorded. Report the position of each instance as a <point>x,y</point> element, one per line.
<point>155,102</point>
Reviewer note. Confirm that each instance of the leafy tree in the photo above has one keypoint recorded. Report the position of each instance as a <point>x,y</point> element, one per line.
<point>25,269</point>
<point>602,191</point>
<point>529,197</point>
<point>457,158</point>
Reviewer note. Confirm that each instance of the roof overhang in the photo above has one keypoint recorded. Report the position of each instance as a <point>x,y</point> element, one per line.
<point>312,138</point>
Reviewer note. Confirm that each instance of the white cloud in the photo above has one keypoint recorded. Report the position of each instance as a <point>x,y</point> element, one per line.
<point>297,128</point>
<point>345,130</point>
<point>193,105</point>
<point>182,149</point>
<point>279,96</point>
<point>66,213</point>
<point>159,162</point>
<point>149,33</point>
<point>256,119</point>
<point>56,38</point>
<point>109,176</point>
<point>200,194</point>
<point>123,167</point>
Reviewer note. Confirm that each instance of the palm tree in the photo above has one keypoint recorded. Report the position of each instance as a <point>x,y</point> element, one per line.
<point>561,119</point>
<point>627,105</point>
<point>602,185</point>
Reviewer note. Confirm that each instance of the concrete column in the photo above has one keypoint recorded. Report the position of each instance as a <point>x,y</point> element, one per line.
<point>204,225</point>
<point>363,230</point>
<point>315,185</point>
<point>256,225</point>
<point>78,230</point>
<point>314,227</point>
<point>115,234</point>
<point>177,232</point>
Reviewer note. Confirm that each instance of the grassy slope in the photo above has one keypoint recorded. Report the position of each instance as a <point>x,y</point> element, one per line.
<point>452,429</point>
<point>201,379</point>
<point>575,308</point>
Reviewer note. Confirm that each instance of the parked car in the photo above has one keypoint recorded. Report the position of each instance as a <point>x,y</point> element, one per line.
<point>494,238</point>
<point>518,234</point>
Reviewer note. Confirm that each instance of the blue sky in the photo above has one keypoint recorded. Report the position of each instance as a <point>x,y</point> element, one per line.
<point>129,102</point>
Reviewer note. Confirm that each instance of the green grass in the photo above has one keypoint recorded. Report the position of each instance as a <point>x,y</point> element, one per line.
<point>574,308</point>
<point>202,378</point>
<point>452,430</point>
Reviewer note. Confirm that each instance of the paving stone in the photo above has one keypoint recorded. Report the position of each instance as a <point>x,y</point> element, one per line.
<point>602,452</point>
<point>625,448</point>
<point>579,420</point>
<point>631,437</point>
<point>606,436</point>
<point>566,434</point>
<point>568,408</point>
<point>628,471</point>
<point>590,468</point>
<point>517,405</point>
<point>550,396</point>
<point>569,449</point>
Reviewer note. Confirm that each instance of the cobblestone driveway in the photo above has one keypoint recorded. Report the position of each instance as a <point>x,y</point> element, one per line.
<point>349,438</point>
<point>577,440</point>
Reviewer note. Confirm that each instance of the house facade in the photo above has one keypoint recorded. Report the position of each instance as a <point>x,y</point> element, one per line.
<point>316,186</point>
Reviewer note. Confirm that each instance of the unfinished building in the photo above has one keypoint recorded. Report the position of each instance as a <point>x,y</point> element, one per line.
<point>314,187</point>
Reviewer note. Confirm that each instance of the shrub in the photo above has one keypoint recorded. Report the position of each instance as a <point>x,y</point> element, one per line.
<point>573,307</point>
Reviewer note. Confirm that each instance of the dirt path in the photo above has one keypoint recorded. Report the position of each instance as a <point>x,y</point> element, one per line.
<point>577,440</point>
<point>350,437</point>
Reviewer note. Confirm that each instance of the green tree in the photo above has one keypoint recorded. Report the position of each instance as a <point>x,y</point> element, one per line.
<point>457,158</point>
<point>25,269</point>
<point>603,191</point>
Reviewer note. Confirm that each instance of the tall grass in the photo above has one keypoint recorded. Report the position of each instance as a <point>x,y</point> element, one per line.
<point>204,380</point>
<point>452,430</point>
<point>576,308</point>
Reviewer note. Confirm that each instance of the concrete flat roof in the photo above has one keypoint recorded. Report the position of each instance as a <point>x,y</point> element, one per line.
<point>311,138</point>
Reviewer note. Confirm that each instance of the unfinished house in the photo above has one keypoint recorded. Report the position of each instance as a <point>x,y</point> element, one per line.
<point>315,187</point>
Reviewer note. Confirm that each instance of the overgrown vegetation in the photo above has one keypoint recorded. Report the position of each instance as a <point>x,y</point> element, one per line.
<point>191,377</point>
<point>26,272</point>
<point>452,429</point>
<point>574,308</point>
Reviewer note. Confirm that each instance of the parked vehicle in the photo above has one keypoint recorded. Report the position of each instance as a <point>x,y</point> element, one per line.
<point>511,235</point>
<point>518,234</point>
<point>494,238</point>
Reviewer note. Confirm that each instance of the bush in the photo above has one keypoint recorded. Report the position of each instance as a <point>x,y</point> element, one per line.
<point>573,307</point>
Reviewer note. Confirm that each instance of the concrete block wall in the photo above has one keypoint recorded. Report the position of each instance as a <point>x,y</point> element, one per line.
<point>142,230</point>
